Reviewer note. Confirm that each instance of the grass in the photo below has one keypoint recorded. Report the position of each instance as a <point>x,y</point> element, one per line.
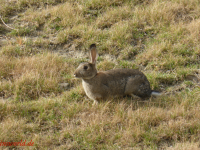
<point>160,38</point>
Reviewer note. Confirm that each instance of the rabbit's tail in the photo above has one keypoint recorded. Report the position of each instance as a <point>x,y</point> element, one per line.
<point>155,93</point>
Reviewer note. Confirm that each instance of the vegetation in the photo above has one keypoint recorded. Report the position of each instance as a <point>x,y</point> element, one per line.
<point>51,38</point>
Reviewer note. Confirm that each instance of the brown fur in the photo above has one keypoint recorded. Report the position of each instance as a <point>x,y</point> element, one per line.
<point>111,83</point>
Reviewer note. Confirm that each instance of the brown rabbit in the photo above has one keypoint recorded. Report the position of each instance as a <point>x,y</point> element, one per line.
<point>117,82</point>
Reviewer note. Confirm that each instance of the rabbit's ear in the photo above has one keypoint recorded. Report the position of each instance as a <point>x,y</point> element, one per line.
<point>93,54</point>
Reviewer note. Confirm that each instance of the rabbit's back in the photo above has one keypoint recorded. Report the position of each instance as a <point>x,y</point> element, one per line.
<point>117,82</point>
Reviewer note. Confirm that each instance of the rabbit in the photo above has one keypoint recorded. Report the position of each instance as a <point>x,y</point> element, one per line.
<point>111,83</point>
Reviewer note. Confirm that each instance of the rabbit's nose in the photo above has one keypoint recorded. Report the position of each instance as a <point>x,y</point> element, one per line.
<point>74,75</point>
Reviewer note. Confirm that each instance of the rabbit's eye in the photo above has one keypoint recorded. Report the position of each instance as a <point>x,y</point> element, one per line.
<point>85,67</point>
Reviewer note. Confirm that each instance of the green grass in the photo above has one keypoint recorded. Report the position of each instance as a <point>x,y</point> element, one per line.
<point>51,38</point>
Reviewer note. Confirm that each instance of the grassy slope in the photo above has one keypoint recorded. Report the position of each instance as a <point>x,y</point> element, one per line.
<point>161,38</point>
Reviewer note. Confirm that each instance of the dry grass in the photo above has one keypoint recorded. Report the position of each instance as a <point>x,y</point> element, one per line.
<point>33,76</point>
<point>161,38</point>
